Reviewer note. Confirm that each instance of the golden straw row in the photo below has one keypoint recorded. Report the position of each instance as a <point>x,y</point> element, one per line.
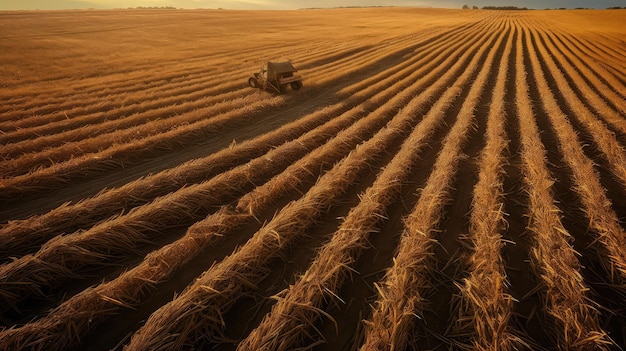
<point>606,113</point>
<point>195,312</point>
<point>140,124</point>
<point>292,318</point>
<point>103,160</point>
<point>598,70</point>
<point>30,156</point>
<point>487,305</point>
<point>603,220</point>
<point>603,93</point>
<point>400,294</point>
<point>64,256</point>
<point>553,258</point>
<point>90,108</point>
<point>167,94</point>
<point>127,290</point>
<point>603,137</point>
<point>19,237</point>
<point>418,101</point>
<point>60,174</point>
<point>259,167</point>
<point>177,82</point>
<point>233,271</point>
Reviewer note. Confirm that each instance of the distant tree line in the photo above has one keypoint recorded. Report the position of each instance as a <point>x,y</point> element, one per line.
<point>156,7</point>
<point>466,7</point>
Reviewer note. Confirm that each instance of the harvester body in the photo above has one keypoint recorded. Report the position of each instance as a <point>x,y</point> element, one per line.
<point>276,76</point>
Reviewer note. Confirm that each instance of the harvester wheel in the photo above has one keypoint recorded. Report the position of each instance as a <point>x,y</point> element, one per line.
<point>296,85</point>
<point>253,82</point>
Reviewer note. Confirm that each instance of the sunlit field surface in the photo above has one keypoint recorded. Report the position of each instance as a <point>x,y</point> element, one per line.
<point>445,180</point>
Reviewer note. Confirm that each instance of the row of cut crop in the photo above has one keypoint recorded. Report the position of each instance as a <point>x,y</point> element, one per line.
<point>401,295</point>
<point>486,304</point>
<point>19,235</point>
<point>553,258</point>
<point>602,218</point>
<point>224,178</point>
<point>90,157</point>
<point>604,138</point>
<point>201,78</point>
<point>117,156</point>
<point>598,70</point>
<point>128,289</point>
<point>577,81</point>
<point>58,257</point>
<point>608,61</point>
<point>291,319</point>
<point>215,87</point>
<point>223,273</point>
<point>604,95</point>
<point>192,313</point>
<point>117,292</point>
<point>31,155</point>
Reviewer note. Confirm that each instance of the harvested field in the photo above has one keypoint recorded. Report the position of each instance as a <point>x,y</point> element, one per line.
<point>445,180</point>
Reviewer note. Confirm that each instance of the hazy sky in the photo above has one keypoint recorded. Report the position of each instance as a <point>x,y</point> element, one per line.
<point>295,4</point>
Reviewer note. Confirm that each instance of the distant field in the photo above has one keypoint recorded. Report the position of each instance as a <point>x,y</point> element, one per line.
<point>446,179</point>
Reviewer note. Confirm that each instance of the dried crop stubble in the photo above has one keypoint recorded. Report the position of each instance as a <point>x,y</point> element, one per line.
<point>602,218</point>
<point>216,297</point>
<point>126,291</point>
<point>487,304</point>
<point>55,259</point>
<point>552,255</point>
<point>589,78</point>
<point>410,98</point>
<point>117,156</point>
<point>401,295</point>
<point>294,314</point>
<point>603,137</point>
<point>603,95</point>
<point>70,146</point>
<point>119,293</point>
<point>20,235</point>
<point>191,316</point>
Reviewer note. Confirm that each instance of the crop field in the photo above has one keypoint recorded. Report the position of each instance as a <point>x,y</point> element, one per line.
<point>445,180</point>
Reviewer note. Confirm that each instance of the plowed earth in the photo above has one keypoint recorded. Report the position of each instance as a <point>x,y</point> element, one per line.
<point>444,180</point>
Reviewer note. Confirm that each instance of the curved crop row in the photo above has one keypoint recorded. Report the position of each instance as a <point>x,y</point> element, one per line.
<point>488,305</point>
<point>447,179</point>
<point>20,235</point>
<point>127,289</point>
<point>553,256</point>
<point>400,295</point>
<point>288,323</point>
<point>192,313</point>
<point>602,218</point>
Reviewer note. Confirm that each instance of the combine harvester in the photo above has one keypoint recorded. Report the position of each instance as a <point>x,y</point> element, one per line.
<point>276,75</point>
